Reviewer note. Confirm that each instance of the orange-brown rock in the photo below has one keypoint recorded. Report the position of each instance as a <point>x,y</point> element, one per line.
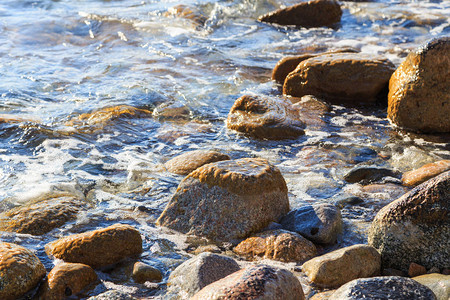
<point>186,12</point>
<point>67,279</point>
<point>419,90</point>
<point>189,161</point>
<point>227,200</point>
<point>315,13</point>
<point>416,270</point>
<point>260,282</point>
<point>99,247</point>
<point>265,118</point>
<point>143,272</point>
<point>428,171</point>
<point>279,245</point>
<point>323,295</point>
<point>20,271</point>
<point>340,77</point>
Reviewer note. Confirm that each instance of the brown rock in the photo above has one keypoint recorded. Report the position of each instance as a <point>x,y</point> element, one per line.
<point>428,171</point>
<point>260,282</point>
<point>265,118</point>
<point>343,265</point>
<point>323,295</point>
<point>99,247</point>
<point>316,13</point>
<point>143,272</point>
<point>340,77</point>
<point>67,279</point>
<point>227,200</point>
<point>419,90</point>
<point>279,245</point>
<point>20,271</point>
<point>189,161</point>
<point>416,270</point>
<point>438,283</point>
<point>186,12</point>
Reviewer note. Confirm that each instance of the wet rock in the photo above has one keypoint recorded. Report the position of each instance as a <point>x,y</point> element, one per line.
<point>312,110</point>
<point>279,245</point>
<point>428,171</point>
<point>227,200</point>
<point>438,283</point>
<point>265,118</point>
<point>255,282</point>
<point>340,266</point>
<point>197,272</point>
<point>189,161</point>
<point>419,90</point>
<point>171,111</point>
<point>187,12</point>
<point>20,271</point>
<point>379,288</point>
<point>348,201</point>
<point>340,77</point>
<point>143,272</point>
<point>40,217</point>
<point>415,227</point>
<point>368,174</point>
<point>99,247</point>
<point>316,13</point>
<point>67,279</point>
<point>416,270</point>
<point>113,295</point>
<point>320,223</point>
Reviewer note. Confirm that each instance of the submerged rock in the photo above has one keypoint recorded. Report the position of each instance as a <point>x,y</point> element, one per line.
<point>265,118</point>
<point>143,272</point>
<point>189,161</point>
<point>227,200</point>
<point>368,174</point>
<point>186,12</point>
<point>419,90</point>
<point>428,171</point>
<point>438,283</point>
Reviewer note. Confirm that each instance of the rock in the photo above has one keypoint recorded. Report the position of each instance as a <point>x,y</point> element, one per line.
<point>393,272</point>
<point>67,279</point>
<point>348,201</point>
<point>113,295</point>
<point>322,296</point>
<point>279,245</point>
<point>316,13</point>
<point>189,161</point>
<point>368,174</point>
<point>41,217</point>
<point>428,171</point>
<point>419,90</point>
<point>312,110</point>
<point>340,266</point>
<point>415,227</point>
<point>197,272</point>
<point>171,111</point>
<point>340,77</point>
<point>206,248</point>
<point>260,282</point>
<point>380,288</point>
<point>143,272</point>
<point>320,223</point>
<point>416,270</point>
<point>227,200</point>
<point>99,247</point>
<point>265,118</point>
<point>186,12</point>
<point>438,283</point>
<point>20,271</point>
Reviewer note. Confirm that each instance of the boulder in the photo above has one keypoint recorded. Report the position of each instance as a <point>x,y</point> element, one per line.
<point>67,279</point>
<point>265,118</point>
<point>428,171</point>
<point>279,245</point>
<point>20,271</point>
<point>320,223</point>
<point>415,227</point>
<point>189,161</point>
<point>419,90</point>
<point>340,77</point>
<point>99,247</point>
<point>380,288</point>
<point>196,273</point>
<point>315,13</point>
<point>438,283</point>
<point>340,266</point>
<point>113,295</point>
<point>227,200</point>
<point>260,282</point>
<point>143,272</point>
<point>368,174</point>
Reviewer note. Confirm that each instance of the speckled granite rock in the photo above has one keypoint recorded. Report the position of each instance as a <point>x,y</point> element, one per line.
<point>428,171</point>
<point>438,283</point>
<point>189,161</point>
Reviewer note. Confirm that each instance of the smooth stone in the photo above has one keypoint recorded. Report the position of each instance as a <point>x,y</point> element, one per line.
<point>187,162</point>
<point>279,245</point>
<point>98,248</point>
<point>113,295</point>
<point>428,171</point>
<point>368,174</point>
<point>416,270</point>
<point>198,272</point>
<point>415,227</point>
<point>340,266</point>
<point>168,111</point>
<point>20,271</point>
<point>438,283</point>
<point>419,90</point>
<point>312,110</point>
<point>260,282</point>
<point>316,13</point>
<point>143,272</point>
<point>265,118</point>
<point>381,288</point>
<point>320,223</point>
<point>227,200</point>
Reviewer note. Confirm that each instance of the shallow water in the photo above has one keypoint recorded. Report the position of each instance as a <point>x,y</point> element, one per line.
<point>61,59</point>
